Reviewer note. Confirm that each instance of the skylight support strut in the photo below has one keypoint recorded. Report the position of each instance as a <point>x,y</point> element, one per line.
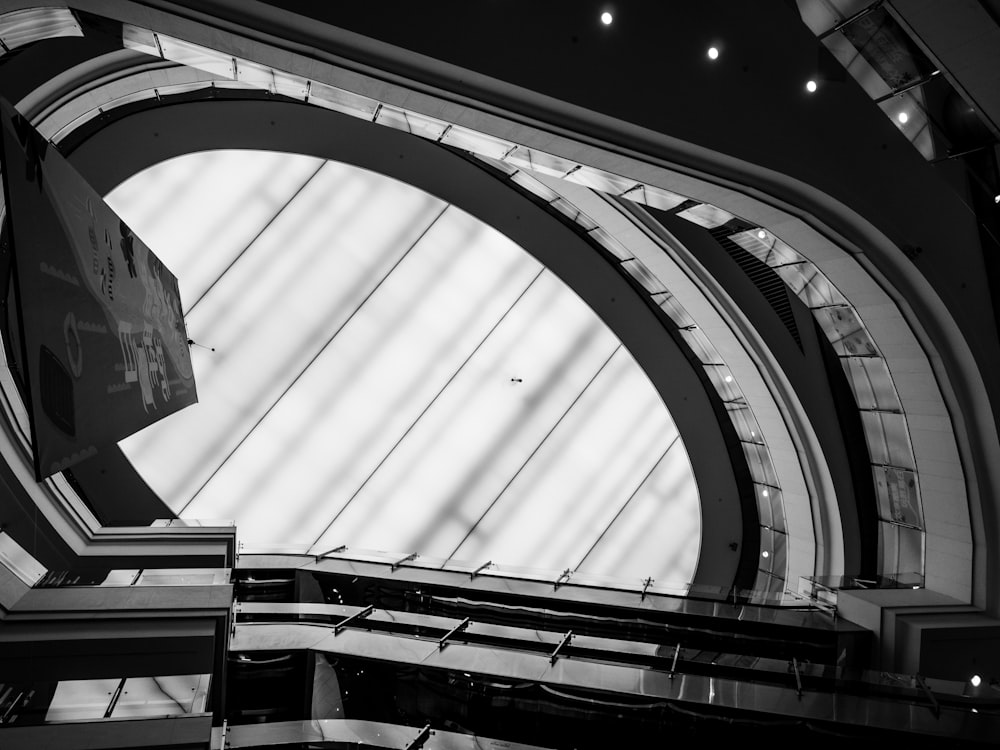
<point>353,618</point>
<point>564,642</point>
<point>451,633</point>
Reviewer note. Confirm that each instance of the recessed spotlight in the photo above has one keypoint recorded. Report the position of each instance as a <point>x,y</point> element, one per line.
<point>902,117</point>
<point>976,680</point>
<point>606,18</point>
<point>810,86</point>
<point>765,553</point>
<point>713,53</point>
<point>729,378</point>
<point>761,234</point>
<point>764,493</point>
<point>996,198</point>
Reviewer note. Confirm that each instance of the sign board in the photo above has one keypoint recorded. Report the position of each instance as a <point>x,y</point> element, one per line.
<point>104,350</point>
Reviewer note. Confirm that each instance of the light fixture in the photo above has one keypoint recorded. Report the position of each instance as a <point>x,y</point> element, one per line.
<point>761,234</point>
<point>764,493</point>
<point>902,117</point>
<point>976,680</point>
<point>810,86</point>
<point>729,378</point>
<point>713,53</point>
<point>765,553</point>
<point>996,198</point>
<point>606,18</point>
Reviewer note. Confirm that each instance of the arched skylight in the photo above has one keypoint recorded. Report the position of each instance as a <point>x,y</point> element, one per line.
<point>378,369</point>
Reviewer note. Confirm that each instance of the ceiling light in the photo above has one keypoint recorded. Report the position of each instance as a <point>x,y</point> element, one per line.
<point>902,117</point>
<point>729,378</point>
<point>765,493</point>
<point>765,553</point>
<point>810,86</point>
<point>996,198</point>
<point>976,680</point>
<point>761,234</point>
<point>713,53</point>
<point>606,18</point>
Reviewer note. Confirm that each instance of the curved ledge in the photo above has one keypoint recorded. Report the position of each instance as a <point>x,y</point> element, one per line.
<point>127,145</point>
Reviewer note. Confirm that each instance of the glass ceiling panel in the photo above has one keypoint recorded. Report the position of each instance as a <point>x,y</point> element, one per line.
<point>888,439</point>
<point>391,374</point>
<point>368,388</point>
<point>674,310</point>
<point>557,505</point>
<point>609,243</point>
<point>480,143</point>
<point>700,345</point>
<point>533,185</point>
<point>638,271</point>
<point>277,82</point>
<point>776,510</point>
<point>215,215</point>
<point>845,332</point>
<point>766,247</point>
<point>600,180</point>
<point>898,498</point>
<point>743,420</point>
<point>871,382</point>
<point>335,244</point>
<point>646,539</point>
<point>342,101</point>
<point>22,27</point>
<point>574,214</point>
<point>478,435</point>
<point>706,215</point>
<point>811,286</point>
<point>538,161</point>
<point>425,127</point>
<point>196,56</point>
<point>654,197</point>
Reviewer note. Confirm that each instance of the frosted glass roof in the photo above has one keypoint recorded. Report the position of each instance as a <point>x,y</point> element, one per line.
<point>391,374</point>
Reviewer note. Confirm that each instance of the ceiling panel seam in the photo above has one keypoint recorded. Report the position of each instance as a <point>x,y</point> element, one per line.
<point>256,237</point>
<point>629,500</point>
<point>430,403</point>
<point>312,360</point>
<point>535,450</point>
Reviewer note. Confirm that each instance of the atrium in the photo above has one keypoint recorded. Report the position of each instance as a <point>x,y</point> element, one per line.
<point>565,372</point>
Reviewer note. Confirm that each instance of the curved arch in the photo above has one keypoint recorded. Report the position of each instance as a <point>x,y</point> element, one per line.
<point>184,128</point>
<point>925,347</point>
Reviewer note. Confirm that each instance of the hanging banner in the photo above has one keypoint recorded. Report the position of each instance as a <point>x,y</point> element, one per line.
<point>104,349</point>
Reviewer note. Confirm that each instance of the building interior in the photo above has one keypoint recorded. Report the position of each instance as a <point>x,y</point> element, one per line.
<point>570,375</point>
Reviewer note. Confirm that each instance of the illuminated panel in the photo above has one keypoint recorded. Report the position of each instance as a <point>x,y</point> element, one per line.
<point>479,435</point>
<point>391,374</point>
<point>22,27</point>
<point>341,422</point>
<point>219,221</point>
<point>268,315</point>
